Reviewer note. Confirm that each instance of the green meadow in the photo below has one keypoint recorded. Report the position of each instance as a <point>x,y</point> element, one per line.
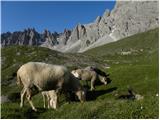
<point>138,70</point>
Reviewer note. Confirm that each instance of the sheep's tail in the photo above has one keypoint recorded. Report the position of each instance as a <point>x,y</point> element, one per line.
<point>19,82</point>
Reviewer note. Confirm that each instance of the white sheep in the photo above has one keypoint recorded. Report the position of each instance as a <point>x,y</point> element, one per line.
<point>126,53</point>
<point>89,75</point>
<point>38,77</point>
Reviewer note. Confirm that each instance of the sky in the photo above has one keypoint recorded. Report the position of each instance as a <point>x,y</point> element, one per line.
<point>51,15</point>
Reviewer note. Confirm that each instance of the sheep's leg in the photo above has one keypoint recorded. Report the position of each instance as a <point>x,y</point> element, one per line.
<point>55,101</point>
<point>49,102</point>
<point>23,92</point>
<point>30,101</point>
<point>92,84</point>
<point>44,100</point>
<point>52,103</point>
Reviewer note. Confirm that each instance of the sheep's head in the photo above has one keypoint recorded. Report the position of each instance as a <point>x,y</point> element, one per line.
<point>75,73</point>
<point>81,94</point>
<point>103,80</point>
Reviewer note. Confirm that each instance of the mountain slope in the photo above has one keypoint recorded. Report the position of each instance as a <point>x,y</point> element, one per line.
<point>146,41</point>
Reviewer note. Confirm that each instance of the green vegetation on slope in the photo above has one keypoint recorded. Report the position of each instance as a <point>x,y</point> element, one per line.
<point>147,41</point>
<point>143,46</point>
<point>15,56</point>
<point>138,70</point>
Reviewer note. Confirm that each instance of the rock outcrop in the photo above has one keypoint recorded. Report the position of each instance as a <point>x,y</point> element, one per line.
<point>132,17</point>
<point>26,37</point>
<point>48,39</point>
<point>126,19</point>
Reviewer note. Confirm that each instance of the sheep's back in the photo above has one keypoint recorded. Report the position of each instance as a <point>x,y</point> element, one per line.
<point>86,74</point>
<point>41,74</point>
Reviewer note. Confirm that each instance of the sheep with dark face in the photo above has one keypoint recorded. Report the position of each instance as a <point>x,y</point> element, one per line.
<point>89,75</point>
<point>37,77</point>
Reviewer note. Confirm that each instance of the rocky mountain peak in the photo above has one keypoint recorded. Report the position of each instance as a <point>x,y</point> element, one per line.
<point>98,19</point>
<point>46,33</point>
<point>27,37</point>
<point>63,37</point>
<point>67,33</point>
<point>106,13</point>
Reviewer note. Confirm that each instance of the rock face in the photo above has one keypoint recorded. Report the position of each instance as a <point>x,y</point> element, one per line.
<point>48,39</point>
<point>31,37</point>
<point>127,18</point>
<point>27,37</point>
<point>133,17</point>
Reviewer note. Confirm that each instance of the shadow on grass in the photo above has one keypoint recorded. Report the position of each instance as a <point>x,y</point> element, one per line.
<point>92,95</point>
<point>87,84</point>
<point>30,114</point>
<point>99,83</point>
<point>14,97</point>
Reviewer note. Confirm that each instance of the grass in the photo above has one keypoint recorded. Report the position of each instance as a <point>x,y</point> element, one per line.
<point>138,71</point>
<point>147,41</point>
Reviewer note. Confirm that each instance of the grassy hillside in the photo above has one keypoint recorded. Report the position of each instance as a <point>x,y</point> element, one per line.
<point>147,40</point>
<point>15,56</point>
<point>144,46</point>
<point>138,70</point>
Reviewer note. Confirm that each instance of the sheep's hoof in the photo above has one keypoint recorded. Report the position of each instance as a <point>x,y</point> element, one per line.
<point>82,102</point>
<point>92,89</point>
<point>69,102</point>
<point>34,109</point>
<point>21,105</point>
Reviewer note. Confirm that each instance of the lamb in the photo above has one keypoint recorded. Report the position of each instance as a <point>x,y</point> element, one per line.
<point>37,77</point>
<point>51,98</point>
<point>89,75</point>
